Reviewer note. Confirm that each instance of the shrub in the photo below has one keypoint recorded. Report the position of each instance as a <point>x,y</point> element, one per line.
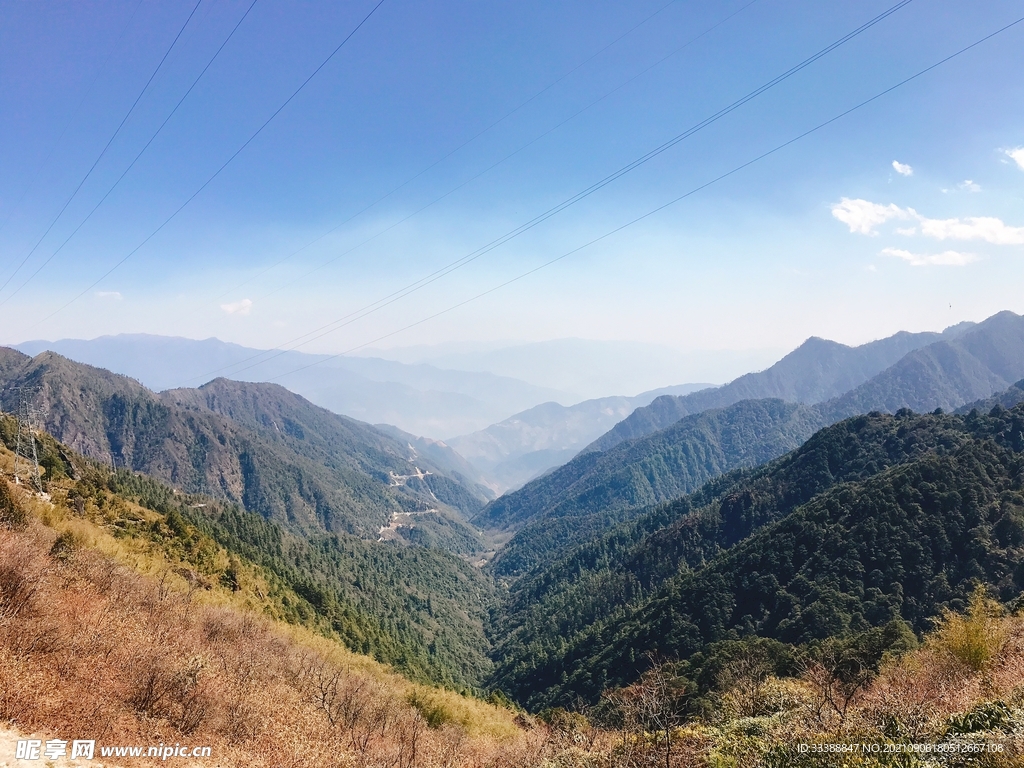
<point>12,515</point>
<point>988,716</point>
<point>767,697</point>
<point>19,578</point>
<point>973,639</point>
<point>433,711</point>
<point>64,546</point>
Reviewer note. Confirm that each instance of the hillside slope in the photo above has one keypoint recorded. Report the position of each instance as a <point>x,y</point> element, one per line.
<point>420,610</point>
<point>598,488</point>
<point>257,445</point>
<point>422,399</point>
<point>878,517</point>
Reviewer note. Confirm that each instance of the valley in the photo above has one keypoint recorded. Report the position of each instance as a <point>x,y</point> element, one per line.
<point>511,384</point>
<point>814,517</point>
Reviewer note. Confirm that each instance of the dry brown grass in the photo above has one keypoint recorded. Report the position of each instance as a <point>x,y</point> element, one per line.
<point>91,648</point>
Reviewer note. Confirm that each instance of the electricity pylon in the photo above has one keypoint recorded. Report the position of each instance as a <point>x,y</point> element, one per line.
<point>25,449</point>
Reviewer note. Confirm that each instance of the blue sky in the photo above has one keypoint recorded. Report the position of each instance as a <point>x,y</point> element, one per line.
<point>826,237</point>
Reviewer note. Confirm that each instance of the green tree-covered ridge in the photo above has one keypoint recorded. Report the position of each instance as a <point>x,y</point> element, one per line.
<point>876,518</point>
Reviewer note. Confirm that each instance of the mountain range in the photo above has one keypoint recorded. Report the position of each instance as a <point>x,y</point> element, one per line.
<point>635,465</point>
<point>759,516</point>
<point>528,444</point>
<point>816,371</point>
<point>416,398</point>
<point>421,399</point>
<point>255,444</point>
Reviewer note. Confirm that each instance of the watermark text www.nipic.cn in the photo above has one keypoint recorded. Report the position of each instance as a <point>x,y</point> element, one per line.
<point>86,749</point>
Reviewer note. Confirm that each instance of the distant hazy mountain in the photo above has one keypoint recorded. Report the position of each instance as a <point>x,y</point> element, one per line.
<point>256,444</point>
<point>523,446</point>
<point>421,399</point>
<point>593,369</point>
<point>816,371</point>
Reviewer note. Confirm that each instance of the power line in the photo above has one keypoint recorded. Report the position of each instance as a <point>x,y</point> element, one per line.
<point>217,173</point>
<point>464,144</point>
<point>489,168</point>
<point>74,114</point>
<point>105,147</point>
<point>474,255</point>
<point>133,162</point>
<point>470,140</point>
<point>662,207</point>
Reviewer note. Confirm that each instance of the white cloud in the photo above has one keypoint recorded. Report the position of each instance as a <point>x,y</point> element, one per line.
<point>902,168</point>
<point>906,231</point>
<point>238,307</point>
<point>1017,155</point>
<point>944,259</point>
<point>987,228</point>
<point>970,186</point>
<point>863,216</point>
<point>116,295</point>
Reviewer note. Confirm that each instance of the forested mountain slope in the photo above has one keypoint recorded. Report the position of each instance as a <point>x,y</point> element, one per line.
<point>420,610</point>
<point>1006,399</point>
<point>875,518</point>
<point>443,456</point>
<point>257,445</point>
<point>595,490</point>
<point>423,399</point>
<point>326,438</point>
<point>816,371</point>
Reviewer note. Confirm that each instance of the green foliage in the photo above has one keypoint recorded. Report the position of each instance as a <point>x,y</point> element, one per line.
<point>972,638</point>
<point>876,521</point>
<point>987,716</point>
<point>595,490</point>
